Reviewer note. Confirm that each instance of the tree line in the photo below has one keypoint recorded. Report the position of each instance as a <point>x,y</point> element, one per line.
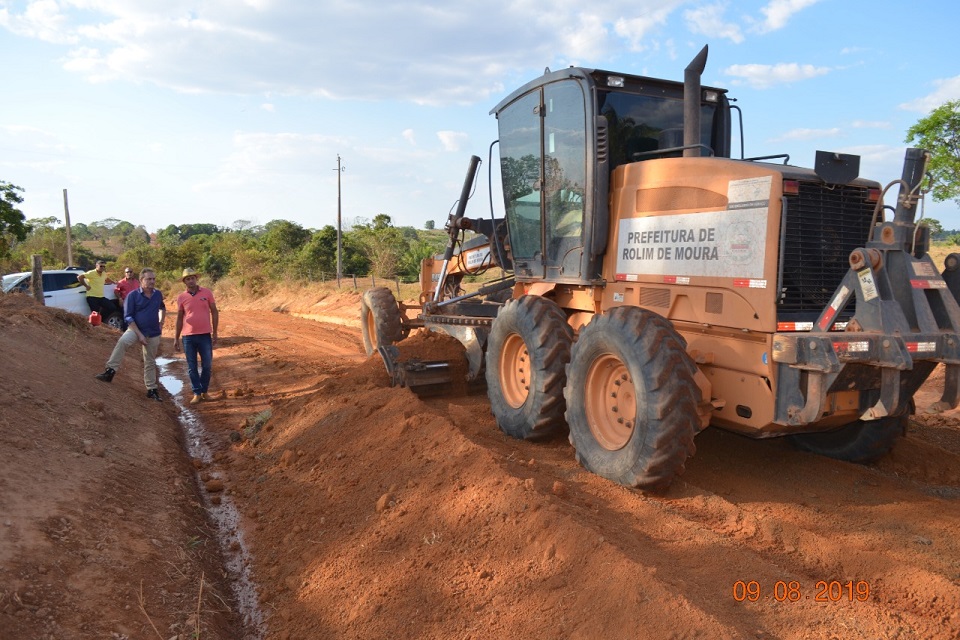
<point>277,250</point>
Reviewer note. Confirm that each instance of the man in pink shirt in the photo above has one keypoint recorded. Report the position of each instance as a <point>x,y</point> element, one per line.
<point>197,320</point>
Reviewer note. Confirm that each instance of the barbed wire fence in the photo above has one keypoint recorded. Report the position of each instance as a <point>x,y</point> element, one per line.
<point>356,282</point>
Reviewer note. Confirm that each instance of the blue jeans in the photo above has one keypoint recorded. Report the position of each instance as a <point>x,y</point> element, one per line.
<point>193,346</point>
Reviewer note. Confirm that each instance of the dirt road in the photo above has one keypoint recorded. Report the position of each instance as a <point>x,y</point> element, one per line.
<point>371,513</point>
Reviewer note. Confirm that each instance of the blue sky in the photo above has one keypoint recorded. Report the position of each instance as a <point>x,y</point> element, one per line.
<point>215,111</point>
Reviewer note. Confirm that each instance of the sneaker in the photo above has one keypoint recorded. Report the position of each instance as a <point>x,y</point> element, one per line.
<point>154,394</point>
<point>197,397</point>
<point>106,376</point>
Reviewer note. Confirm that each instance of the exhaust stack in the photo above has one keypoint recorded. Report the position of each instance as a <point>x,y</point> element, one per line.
<point>691,104</point>
<point>914,165</point>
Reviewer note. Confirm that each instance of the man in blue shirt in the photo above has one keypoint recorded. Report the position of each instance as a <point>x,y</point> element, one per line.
<point>144,311</point>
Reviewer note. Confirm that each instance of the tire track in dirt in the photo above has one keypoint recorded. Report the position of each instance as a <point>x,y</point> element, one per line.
<point>433,516</point>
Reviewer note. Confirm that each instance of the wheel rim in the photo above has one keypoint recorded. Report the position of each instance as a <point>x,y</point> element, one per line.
<point>370,325</point>
<point>515,371</point>
<point>610,402</point>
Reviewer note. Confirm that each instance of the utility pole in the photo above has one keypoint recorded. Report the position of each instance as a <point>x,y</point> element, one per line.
<point>66,213</point>
<point>339,170</point>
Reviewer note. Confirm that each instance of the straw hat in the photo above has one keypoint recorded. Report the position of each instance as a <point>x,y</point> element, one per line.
<point>189,272</point>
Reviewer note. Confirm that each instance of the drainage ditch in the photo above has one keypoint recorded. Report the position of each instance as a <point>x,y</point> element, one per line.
<point>222,510</point>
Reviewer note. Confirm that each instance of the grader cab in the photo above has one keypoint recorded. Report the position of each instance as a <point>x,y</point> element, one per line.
<point>656,285</point>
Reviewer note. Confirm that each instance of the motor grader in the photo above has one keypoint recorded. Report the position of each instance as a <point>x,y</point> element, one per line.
<point>655,285</point>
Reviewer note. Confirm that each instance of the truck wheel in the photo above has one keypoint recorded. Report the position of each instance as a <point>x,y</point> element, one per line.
<point>860,442</point>
<point>114,320</point>
<point>632,399</point>
<point>379,319</point>
<point>527,352</point>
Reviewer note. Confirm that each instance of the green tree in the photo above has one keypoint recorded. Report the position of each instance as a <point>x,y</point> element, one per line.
<point>13,225</point>
<point>936,228</point>
<point>939,133</point>
<point>80,231</point>
<point>107,223</point>
<point>382,221</point>
<point>198,229</point>
<point>169,235</point>
<point>382,244</point>
<point>409,264</point>
<point>45,240</point>
<point>319,254</point>
<point>429,225</point>
<point>284,238</point>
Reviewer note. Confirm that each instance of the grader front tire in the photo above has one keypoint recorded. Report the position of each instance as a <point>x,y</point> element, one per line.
<point>860,442</point>
<point>632,399</point>
<point>380,319</point>
<point>527,353</point>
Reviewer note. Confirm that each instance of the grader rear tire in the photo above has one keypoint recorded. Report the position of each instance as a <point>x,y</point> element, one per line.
<point>380,319</point>
<point>860,442</point>
<point>527,353</point>
<point>631,399</point>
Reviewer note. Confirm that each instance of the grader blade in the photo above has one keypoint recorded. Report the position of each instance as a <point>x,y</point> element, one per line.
<point>423,377</point>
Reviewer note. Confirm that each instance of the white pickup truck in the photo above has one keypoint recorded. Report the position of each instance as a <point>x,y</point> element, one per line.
<point>62,290</point>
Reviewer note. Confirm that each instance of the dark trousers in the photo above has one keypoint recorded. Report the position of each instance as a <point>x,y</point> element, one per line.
<point>199,345</point>
<point>96,303</point>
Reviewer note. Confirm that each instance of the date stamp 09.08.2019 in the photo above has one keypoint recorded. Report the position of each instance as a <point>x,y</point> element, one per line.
<point>794,591</point>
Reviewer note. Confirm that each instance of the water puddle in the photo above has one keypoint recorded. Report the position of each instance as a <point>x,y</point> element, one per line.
<point>224,512</point>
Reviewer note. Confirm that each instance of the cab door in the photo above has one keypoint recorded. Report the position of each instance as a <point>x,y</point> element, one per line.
<point>565,178</point>
<point>521,170</point>
<point>543,166</point>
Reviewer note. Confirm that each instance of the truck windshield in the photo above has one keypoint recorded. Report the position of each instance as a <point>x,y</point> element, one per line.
<point>638,124</point>
<point>11,280</point>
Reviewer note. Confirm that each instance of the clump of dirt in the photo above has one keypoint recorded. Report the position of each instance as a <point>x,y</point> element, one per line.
<point>22,306</point>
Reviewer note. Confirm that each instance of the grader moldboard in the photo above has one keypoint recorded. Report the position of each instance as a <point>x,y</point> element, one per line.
<point>656,285</point>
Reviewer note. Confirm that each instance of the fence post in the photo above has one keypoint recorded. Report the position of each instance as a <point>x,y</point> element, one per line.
<point>398,287</point>
<point>355,287</point>
<point>36,278</point>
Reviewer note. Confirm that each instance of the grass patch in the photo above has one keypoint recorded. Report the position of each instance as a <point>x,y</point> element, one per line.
<point>256,422</point>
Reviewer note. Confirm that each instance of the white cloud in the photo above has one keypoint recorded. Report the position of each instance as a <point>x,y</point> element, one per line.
<point>91,63</point>
<point>778,13</point>
<point>409,136</point>
<point>867,124</point>
<point>809,134</point>
<point>588,39</point>
<point>41,19</point>
<point>636,29</point>
<point>269,107</point>
<point>452,140</point>
<point>762,76</point>
<point>260,158</point>
<point>708,20</point>
<point>25,130</point>
<point>946,90</point>
<point>302,47</point>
